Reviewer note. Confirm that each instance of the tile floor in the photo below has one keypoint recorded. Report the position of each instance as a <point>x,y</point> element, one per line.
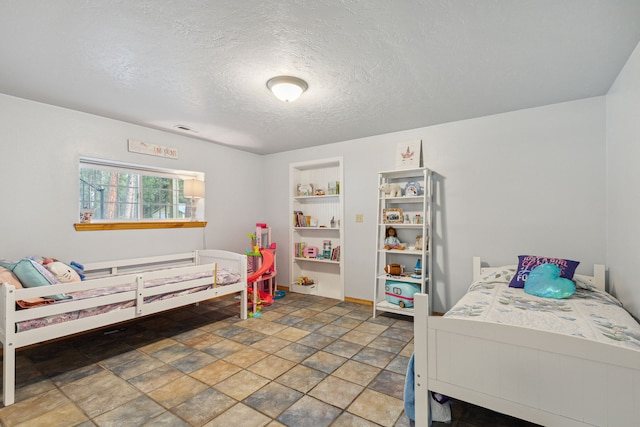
<point>307,361</point>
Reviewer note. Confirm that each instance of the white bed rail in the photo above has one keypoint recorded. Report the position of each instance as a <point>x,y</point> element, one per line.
<point>421,383</point>
<point>95,270</point>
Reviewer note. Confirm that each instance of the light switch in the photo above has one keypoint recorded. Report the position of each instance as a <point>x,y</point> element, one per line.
<point>359,218</point>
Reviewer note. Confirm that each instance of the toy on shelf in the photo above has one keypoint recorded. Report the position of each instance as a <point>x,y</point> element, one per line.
<point>326,249</point>
<point>391,190</point>
<point>391,240</point>
<point>400,293</point>
<point>305,281</point>
<point>394,269</point>
<point>417,274</point>
<point>310,252</point>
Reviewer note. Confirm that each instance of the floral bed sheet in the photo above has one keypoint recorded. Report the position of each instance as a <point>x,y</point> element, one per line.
<point>589,313</point>
<point>224,277</point>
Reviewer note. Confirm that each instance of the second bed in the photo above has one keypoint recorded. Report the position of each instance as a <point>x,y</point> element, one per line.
<point>568,362</point>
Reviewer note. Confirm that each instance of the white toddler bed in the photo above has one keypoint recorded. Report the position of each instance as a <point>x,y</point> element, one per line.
<point>548,378</point>
<point>113,292</point>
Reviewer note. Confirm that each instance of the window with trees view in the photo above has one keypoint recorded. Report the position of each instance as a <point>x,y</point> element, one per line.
<point>125,192</point>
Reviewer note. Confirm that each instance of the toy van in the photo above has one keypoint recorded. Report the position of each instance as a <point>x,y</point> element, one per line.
<point>400,293</point>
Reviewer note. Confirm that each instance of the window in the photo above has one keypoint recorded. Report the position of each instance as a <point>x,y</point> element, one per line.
<point>121,192</point>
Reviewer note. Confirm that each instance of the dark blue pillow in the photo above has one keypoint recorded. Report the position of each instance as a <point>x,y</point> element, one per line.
<point>526,263</point>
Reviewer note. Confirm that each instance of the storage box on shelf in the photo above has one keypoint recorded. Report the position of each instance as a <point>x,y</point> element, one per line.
<point>316,236</point>
<point>403,242</point>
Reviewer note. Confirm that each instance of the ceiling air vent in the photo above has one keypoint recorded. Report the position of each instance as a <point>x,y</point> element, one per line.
<point>184,128</point>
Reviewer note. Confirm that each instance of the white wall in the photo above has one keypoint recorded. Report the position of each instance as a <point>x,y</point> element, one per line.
<point>530,181</point>
<point>40,146</point>
<point>525,182</point>
<point>623,178</point>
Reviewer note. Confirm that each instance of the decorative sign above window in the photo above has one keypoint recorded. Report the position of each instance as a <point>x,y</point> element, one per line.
<point>152,149</point>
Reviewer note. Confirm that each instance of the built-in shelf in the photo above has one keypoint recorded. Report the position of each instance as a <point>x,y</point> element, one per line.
<point>324,196</point>
<point>316,229</point>
<point>325,261</point>
<point>323,215</point>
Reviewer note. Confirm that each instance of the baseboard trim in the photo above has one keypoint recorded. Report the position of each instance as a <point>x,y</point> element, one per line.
<point>359,301</point>
<point>347,299</point>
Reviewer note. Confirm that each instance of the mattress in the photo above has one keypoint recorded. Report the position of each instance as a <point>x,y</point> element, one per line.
<point>589,313</point>
<point>224,277</point>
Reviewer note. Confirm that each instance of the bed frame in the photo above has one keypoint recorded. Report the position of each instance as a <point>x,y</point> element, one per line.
<point>113,273</point>
<point>541,377</point>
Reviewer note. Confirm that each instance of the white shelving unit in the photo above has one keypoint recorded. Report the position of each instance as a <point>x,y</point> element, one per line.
<point>315,220</point>
<point>406,208</point>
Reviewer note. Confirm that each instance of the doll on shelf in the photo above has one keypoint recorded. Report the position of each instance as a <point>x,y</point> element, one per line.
<point>391,240</point>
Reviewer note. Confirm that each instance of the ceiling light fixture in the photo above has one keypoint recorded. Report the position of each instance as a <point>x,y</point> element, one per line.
<point>287,88</point>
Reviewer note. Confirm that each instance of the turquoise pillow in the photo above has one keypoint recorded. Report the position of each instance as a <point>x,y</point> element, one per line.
<point>545,281</point>
<point>526,264</point>
<point>32,274</point>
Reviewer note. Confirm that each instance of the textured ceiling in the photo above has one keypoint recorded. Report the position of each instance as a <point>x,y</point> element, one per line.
<point>373,66</point>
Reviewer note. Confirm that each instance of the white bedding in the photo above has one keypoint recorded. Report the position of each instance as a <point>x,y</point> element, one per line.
<point>589,313</point>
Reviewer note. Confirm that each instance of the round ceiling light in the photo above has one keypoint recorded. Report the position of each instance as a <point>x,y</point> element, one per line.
<point>287,88</point>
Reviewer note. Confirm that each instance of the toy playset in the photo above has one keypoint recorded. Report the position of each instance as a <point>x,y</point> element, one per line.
<point>261,262</point>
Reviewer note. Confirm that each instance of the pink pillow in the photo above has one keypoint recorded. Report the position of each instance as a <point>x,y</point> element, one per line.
<point>7,276</point>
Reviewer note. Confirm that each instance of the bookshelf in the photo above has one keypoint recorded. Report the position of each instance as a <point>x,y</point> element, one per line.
<point>316,234</point>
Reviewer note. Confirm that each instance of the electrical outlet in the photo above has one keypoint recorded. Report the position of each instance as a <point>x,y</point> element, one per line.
<point>359,218</point>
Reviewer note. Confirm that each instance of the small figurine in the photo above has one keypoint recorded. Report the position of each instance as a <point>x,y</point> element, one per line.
<point>418,246</point>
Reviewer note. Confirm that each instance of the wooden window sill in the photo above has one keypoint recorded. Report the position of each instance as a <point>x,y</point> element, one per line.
<point>98,226</point>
